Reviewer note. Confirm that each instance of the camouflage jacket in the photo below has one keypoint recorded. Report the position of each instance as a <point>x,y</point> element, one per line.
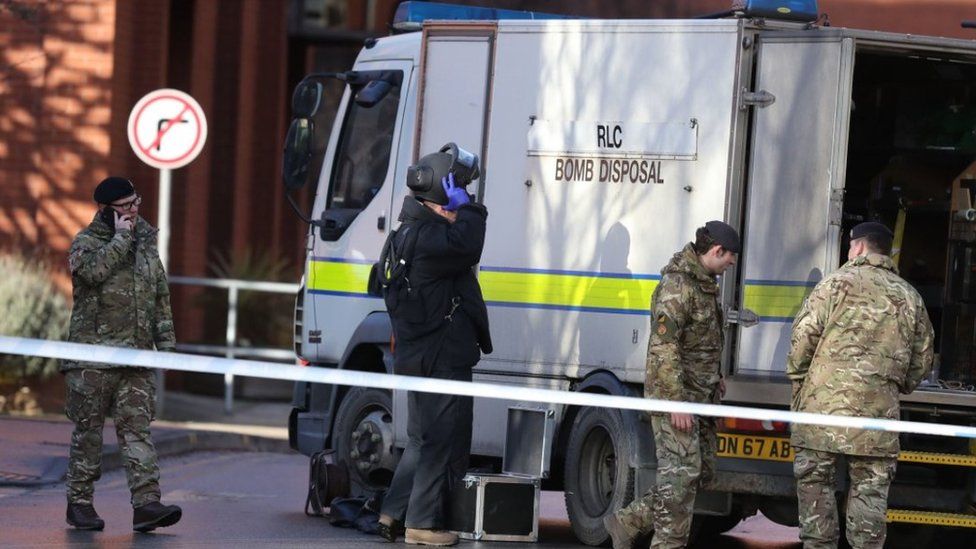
<point>121,297</point>
<point>862,336</point>
<point>685,348</point>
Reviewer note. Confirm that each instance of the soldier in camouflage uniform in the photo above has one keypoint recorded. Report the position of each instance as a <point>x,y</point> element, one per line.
<point>862,337</point>
<point>121,298</point>
<point>683,360</point>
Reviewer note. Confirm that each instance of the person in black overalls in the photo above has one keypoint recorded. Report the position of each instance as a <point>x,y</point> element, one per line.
<point>440,326</point>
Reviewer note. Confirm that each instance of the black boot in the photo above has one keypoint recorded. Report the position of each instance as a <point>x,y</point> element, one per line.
<point>83,517</point>
<point>155,515</point>
<point>389,529</point>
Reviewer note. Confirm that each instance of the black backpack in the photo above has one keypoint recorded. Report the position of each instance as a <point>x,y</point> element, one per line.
<point>326,482</point>
<point>389,277</point>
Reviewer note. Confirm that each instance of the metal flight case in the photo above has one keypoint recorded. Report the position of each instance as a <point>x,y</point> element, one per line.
<point>488,507</point>
<point>505,507</point>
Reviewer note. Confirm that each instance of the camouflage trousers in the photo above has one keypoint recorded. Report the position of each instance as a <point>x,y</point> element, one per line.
<point>867,499</point>
<point>127,394</point>
<point>684,461</point>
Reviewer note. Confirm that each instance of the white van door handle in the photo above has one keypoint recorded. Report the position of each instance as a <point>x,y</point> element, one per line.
<point>745,318</point>
<point>761,99</point>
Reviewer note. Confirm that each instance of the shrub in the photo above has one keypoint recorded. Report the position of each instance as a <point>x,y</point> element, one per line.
<point>32,307</point>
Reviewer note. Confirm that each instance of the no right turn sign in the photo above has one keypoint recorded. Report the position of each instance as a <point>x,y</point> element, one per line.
<point>167,129</point>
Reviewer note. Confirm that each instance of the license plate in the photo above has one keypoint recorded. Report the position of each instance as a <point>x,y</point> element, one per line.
<point>753,447</point>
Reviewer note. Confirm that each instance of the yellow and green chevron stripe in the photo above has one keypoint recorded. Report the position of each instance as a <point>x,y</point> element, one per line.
<point>620,293</point>
<point>614,293</point>
<point>775,300</point>
<point>332,276</point>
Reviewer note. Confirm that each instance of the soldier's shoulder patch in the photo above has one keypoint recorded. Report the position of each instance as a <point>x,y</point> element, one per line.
<point>665,327</point>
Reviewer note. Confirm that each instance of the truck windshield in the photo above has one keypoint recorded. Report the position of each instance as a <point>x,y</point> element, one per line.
<point>363,152</point>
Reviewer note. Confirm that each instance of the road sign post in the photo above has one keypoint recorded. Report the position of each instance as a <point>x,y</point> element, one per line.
<point>167,130</point>
<point>162,215</point>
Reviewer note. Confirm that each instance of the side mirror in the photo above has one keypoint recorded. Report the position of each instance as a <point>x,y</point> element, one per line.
<point>306,99</point>
<point>298,153</point>
<point>372,93</point>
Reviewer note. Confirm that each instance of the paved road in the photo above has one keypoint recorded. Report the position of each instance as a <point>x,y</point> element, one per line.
<point>242,500</point>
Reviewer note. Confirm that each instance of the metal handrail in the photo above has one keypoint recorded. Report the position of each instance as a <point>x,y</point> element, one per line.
<point>263,353</point>
<point>250,285</point>
<point>231,350</point>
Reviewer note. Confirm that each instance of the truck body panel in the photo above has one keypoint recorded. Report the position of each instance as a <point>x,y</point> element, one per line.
<point>568,275</point>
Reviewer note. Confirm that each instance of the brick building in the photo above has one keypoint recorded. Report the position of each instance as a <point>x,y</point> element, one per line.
<point>71,70</point>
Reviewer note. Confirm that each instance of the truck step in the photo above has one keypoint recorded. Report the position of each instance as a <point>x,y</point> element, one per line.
<point>932,518</point>
<point>938,459</point>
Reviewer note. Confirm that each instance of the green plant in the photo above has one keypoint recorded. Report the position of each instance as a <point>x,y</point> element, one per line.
<point>263,319</point>
<point>32,307</point>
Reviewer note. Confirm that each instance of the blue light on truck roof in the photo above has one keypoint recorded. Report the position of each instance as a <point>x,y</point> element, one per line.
<point>798,10</point>
<point>411,15</point>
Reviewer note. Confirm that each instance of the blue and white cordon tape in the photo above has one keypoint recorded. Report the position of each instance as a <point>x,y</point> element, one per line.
<point>274,370</point>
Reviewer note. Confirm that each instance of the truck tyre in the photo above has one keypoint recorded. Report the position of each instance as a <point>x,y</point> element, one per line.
<point>364,439</point>
<point>598,476</point>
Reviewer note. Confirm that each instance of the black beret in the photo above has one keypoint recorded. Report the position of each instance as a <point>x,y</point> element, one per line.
<point>869,228</point>
<point>112,189</point>
<point>724,235</point>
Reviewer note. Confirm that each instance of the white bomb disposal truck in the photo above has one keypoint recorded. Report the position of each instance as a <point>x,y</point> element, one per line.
<point>603,145</point>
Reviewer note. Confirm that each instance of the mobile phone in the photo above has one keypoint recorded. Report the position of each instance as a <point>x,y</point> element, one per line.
<point>108,216</point>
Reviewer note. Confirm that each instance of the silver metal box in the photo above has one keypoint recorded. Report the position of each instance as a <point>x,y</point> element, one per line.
<point>528,441</point>
<point>496,508</point>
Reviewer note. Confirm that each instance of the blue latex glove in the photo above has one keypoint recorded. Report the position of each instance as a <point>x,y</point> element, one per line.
<point>456,196</point>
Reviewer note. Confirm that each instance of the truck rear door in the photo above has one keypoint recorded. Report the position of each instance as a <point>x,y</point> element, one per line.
<point>795,184</point>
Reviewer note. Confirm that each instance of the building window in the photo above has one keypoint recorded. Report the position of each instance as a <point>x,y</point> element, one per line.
<point>325,14</point>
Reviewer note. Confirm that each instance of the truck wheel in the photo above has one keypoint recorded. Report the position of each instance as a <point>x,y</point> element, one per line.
<point>364,439</point>
<point>598,478</point>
